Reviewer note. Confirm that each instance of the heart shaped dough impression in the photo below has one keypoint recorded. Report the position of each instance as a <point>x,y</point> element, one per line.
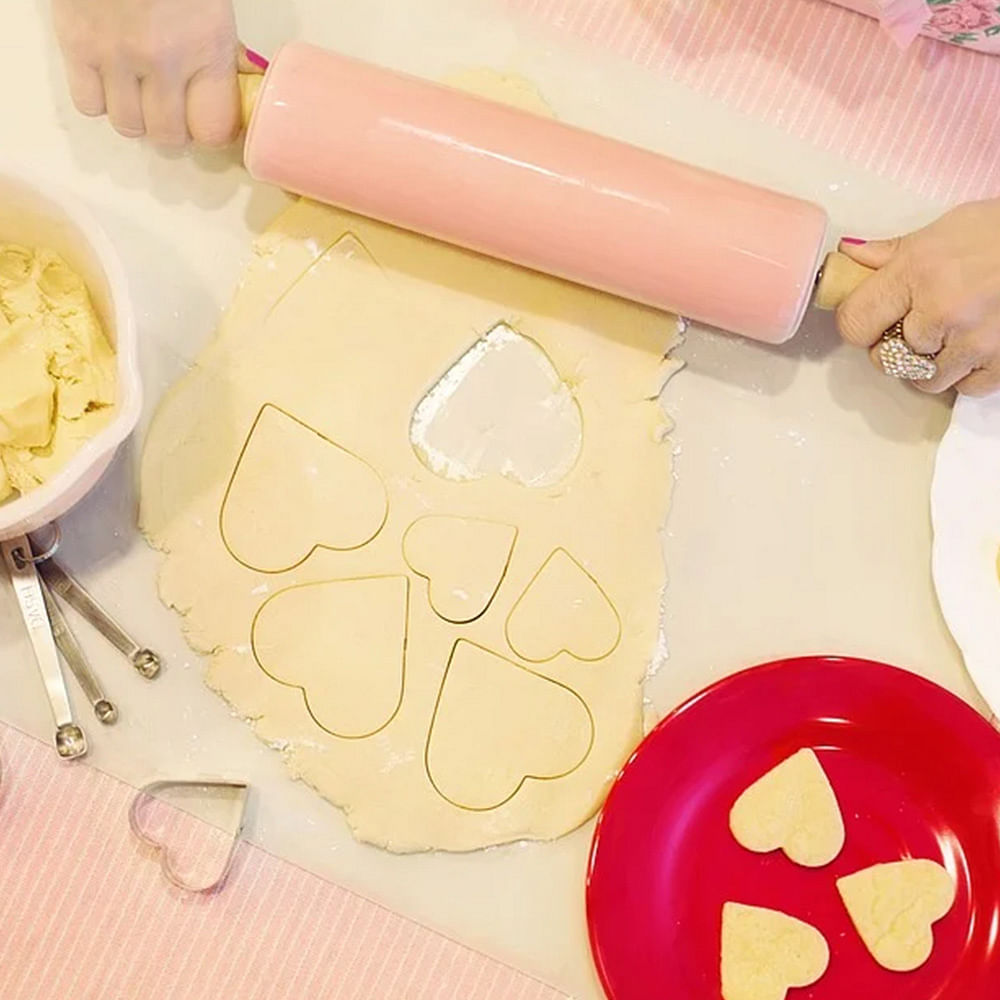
<point>765,953</point>
<point>563,610</point>
<point>894,906</point>
<point>294,491</point>
<point>793,807</point>
<point>342,643</point>
<point>463,559</point>
<point>497,725</point>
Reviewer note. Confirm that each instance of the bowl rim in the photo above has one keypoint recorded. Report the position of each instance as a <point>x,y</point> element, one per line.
<point>58,494</point>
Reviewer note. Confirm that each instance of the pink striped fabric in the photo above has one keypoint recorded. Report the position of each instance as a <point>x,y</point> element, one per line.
<point>925,118</point>
<point>86,913</point>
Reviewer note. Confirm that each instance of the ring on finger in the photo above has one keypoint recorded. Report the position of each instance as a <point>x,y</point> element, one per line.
<point>899,360</point>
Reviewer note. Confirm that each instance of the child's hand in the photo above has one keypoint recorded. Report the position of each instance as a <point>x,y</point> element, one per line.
<point>161,68</point>
<point>944,282</point>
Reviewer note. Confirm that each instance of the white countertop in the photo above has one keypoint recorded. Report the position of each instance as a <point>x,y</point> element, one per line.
<point>800,519</point>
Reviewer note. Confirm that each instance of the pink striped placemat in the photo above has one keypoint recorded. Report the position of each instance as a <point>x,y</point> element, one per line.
<point>925,118</point>
<point>87,913</point>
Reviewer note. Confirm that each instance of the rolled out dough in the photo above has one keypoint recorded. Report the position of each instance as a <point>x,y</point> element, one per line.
<point>346,325</point>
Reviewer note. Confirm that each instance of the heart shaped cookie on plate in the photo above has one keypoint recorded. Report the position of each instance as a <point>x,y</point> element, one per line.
<point>765,953</point>
<point>498,725</point>
<point>894,907</point>
<point>792,808</point>
<point>295,490</point>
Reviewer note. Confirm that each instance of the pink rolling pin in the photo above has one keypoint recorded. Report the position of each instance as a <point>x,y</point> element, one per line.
<point>534,191</point>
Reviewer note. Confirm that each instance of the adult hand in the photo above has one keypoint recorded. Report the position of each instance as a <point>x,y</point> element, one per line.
<point>161,68</point>
<point>943,281</point>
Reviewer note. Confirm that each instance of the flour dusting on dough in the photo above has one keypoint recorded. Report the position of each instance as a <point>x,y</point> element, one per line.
<point>500,409</point>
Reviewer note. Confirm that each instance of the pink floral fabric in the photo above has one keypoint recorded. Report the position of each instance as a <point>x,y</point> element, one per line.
<point>963,17</point>
<point>972,24</point>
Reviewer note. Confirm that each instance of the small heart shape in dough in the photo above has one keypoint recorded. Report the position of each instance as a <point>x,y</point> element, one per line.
<point>195,853</point>
<point>294,491</point>
<point>563,610</point>
<point>463,559</point>
<point>894,907</point>
<point>500,410</point>
<point>342,643</point>
<point>497,725</point>
<point>793,807</point>
<point>765,953</point>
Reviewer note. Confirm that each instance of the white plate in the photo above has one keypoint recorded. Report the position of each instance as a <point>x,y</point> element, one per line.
<point>965,507</point>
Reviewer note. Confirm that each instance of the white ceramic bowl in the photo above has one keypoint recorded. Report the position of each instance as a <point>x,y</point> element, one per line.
<point>35,216</point>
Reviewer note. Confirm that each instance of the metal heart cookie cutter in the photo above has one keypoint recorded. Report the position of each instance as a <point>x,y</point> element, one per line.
<point>237,791</point>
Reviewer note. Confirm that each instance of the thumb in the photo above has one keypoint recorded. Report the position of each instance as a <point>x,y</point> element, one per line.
<point>871,253</point>
<point>249,61</point>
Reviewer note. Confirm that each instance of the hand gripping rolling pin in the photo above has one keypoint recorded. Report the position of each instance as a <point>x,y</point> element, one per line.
<point>539,193</point>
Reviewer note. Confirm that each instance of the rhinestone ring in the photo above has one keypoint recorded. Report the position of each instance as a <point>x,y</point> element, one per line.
<point>899,360</point>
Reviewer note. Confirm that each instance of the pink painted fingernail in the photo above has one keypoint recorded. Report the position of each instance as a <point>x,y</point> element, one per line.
<point>257,59</point>
<point>854,241</point>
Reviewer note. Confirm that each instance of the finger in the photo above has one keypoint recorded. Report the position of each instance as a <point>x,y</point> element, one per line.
<point>877,303</point>
<point>871,253</point>
<point>121,90</point>
<point>924,335</point>
<point>981,382</point>
<point>213,107</point>
<point>86,88</point>
<point>249,61</point>
<point>164,110</point>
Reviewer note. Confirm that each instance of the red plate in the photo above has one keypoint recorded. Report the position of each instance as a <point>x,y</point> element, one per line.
<point>917,774</point>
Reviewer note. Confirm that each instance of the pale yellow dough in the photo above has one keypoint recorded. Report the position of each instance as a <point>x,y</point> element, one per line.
<point>57,369</point>
<point>894,907</point>
<point>564,610</point>
<point>765,953</point>
<point>792,808</point>
<point>463,559</point>
<point>320,637</point>
<point>497,725</point>
<point>345,325</point>
<point>344,506</point>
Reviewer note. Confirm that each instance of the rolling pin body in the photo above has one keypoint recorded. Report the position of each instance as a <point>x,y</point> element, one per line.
<point>535,192</point>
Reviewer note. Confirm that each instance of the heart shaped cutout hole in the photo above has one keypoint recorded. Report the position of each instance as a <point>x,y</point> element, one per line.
<point>501,410</point>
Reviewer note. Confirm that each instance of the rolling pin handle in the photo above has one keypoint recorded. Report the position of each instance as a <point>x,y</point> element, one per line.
<point>250,84</point>
<point>838,277</point>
